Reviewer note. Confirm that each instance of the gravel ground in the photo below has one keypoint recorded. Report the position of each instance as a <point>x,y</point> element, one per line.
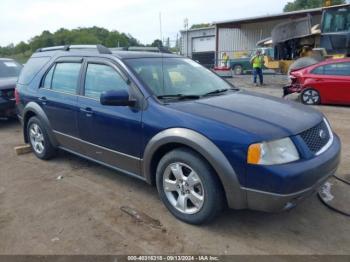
<point>82,213</point>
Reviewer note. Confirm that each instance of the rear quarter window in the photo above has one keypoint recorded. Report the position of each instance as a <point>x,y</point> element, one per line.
<point>318,70</point>
<point>31,69</point>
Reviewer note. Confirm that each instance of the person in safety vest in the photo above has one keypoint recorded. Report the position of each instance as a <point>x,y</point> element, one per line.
<point>257,62</point>
<point>225,59</point>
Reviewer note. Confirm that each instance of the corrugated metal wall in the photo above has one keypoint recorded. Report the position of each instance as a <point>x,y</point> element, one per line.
<point>245,38</point>
<point>187,36</point>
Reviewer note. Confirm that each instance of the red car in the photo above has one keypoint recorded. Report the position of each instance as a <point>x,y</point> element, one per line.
<point>327,82</point>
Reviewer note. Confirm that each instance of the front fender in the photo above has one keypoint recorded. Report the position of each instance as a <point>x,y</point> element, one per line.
<point>31,109</point>
<point>236,197</point>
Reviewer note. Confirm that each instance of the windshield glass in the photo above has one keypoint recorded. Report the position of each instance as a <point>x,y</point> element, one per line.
<point>176,76</point>
<point>336,21</point>
<point>9,68</point>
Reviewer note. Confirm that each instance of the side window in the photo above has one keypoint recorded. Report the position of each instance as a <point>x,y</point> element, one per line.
<point>48,78</point>
<point>318,70</point>
<point>339,69</point>
<point>65,77</point>
<point>101,78</point>
<point>31,68</point>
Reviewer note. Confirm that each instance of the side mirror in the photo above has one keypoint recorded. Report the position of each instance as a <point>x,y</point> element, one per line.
<point>116,98</point>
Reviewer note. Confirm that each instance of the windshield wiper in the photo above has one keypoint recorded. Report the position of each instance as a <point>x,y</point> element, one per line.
<point>179,97</point>
<point>218,91</point>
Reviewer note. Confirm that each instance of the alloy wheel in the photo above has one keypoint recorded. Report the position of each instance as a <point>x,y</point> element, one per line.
<point>37,138</point>
<point>311,97</point>
<point>183,188</point>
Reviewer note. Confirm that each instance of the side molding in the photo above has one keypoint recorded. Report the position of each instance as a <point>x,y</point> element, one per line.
<point>236,197</point>
<point>39,112</point>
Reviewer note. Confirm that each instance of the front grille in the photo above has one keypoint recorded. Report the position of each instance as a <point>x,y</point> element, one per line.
<point>316,137</point>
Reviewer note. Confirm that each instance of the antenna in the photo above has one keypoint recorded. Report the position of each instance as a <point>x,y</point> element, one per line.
<point>160,27</point>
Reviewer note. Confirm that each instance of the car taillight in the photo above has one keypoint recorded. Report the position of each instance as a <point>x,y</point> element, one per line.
<point>17,97</point>
<point>293,79</point>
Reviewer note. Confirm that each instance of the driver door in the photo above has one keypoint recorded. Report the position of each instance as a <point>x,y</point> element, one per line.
<point>110,134</point>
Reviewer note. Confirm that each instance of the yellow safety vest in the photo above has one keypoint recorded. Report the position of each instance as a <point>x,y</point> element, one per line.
<point>258,62</point>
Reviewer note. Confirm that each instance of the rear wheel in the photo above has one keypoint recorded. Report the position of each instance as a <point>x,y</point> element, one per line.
<point>39,139</point>
<point>188,187</point>
<point>310,97</point>
<point>238,70</point>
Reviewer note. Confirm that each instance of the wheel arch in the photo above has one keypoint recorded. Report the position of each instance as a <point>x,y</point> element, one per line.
<point>170,139</point>
<point>236,65</point>
<point>33,109</point>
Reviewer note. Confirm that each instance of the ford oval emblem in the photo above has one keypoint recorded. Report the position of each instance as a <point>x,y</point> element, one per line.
<point>322,134</point>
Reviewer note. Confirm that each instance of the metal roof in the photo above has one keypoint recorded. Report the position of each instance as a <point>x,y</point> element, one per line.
<point>198,29</point>
<point>276,16</point>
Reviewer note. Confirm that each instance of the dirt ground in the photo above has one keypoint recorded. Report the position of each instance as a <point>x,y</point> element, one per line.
<point>82,212</point>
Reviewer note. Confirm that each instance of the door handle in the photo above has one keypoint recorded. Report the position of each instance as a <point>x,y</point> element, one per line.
<point>43,99</point>
<point>88,111</point>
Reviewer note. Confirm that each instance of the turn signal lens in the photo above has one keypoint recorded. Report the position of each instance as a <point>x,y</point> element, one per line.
<point>254,153</point>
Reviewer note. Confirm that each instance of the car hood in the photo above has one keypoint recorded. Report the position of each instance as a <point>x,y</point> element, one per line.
<point>8,83</point>
<point>264,116</point>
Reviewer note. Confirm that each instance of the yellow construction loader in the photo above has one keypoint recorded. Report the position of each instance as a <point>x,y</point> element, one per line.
<point>297,43</point>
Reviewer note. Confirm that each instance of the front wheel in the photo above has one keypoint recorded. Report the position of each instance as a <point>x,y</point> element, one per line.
<point>189,187</point>
<point>238,70</point>
<point>310,97</point>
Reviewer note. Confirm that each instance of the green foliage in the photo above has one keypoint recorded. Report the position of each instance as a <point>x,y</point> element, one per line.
<point>203,25</point>
<point>92,35</point>
<point>307,4</point>
<point>157,43</point>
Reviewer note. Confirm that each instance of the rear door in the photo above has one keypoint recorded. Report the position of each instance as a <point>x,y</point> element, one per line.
<point>58,97</point>
<point>110,134</point>
<point>337,79</point>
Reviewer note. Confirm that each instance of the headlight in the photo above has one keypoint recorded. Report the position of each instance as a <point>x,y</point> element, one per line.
<point>274,152</point>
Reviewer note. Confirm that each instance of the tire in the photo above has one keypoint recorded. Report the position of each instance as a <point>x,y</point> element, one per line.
<point>237,70</point>
<point>310,96</point>
<point>39,140</point>
<point>195,194</point>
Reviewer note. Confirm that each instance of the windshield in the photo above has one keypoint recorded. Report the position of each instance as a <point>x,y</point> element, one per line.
<point>176,76</point>
<point>9,68</point>
<point>336,21</point>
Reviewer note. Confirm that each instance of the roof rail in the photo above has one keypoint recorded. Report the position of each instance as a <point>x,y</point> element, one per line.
<point>100,48</point>
<point>141,49</point>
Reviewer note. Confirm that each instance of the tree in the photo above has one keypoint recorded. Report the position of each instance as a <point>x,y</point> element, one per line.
<point>157,43</point>
<point>78,36</point>
<point>307,4</point>
<point>21,47</point>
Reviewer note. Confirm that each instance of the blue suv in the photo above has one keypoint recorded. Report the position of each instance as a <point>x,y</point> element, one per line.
<point>171,122</point>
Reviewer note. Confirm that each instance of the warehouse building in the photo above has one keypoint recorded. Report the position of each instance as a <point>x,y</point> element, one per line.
<point>199,44</point>
<point>236,37</point>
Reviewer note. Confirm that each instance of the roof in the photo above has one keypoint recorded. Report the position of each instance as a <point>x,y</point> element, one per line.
<point>198,29</point>
<point>136,54</point>
<point>100,50</point>
<point>335,60</point>
<point>277,16</point>
<point>94,52</point>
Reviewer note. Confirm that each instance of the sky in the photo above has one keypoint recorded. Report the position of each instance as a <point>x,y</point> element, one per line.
<point>20,20</point>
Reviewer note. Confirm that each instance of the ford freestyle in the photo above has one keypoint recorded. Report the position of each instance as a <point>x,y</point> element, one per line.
<point>171,122</point>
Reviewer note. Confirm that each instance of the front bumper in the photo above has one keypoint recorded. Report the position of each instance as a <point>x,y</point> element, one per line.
<point>271,202</point>
<point>7,107</point>
<point>311,173</point>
